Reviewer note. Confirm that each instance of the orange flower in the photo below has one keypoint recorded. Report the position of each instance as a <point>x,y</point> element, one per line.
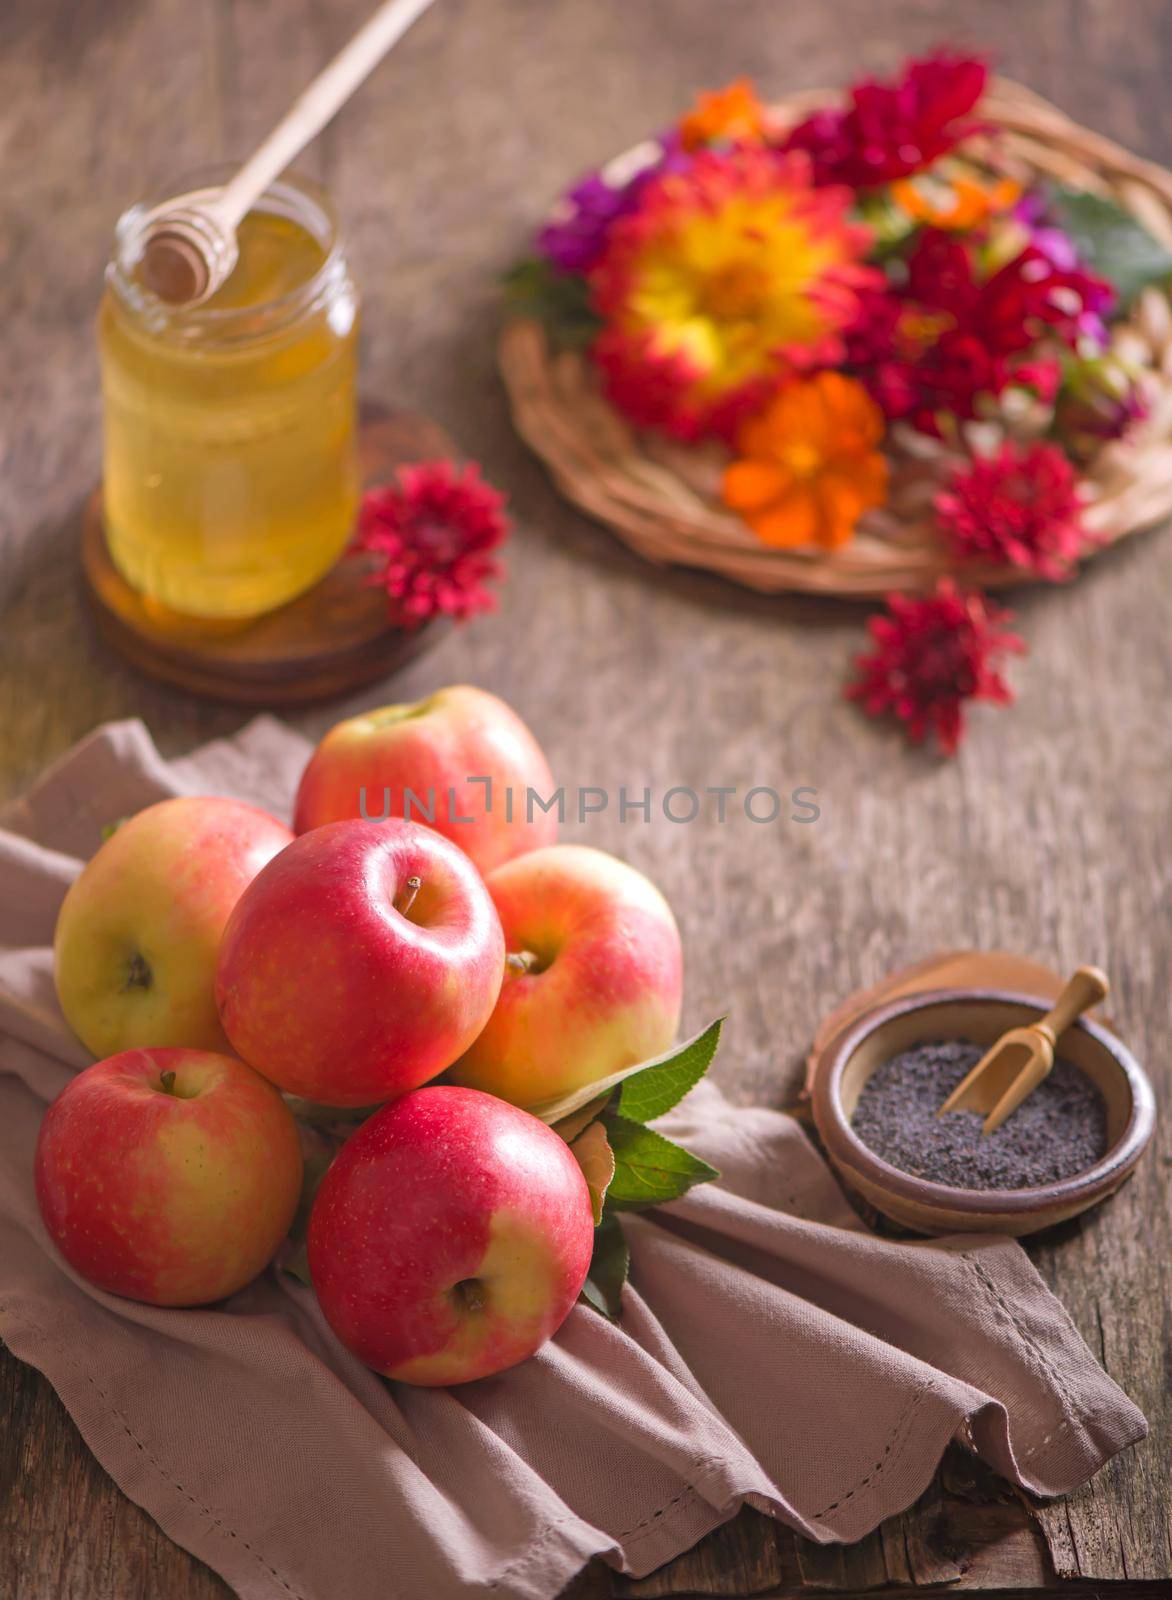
<point>733,113</point>
<point>810,463</point>
<point>956,204</point>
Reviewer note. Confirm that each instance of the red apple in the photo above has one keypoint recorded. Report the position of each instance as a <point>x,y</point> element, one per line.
<point>594,976</point>
<point>450,1237</point>
<point>362,961</point>
<point>170,1176</point>
<point>139,930</point>
<point>436,748</point>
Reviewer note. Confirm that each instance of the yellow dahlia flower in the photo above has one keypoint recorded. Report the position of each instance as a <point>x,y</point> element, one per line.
<point>728,276</point>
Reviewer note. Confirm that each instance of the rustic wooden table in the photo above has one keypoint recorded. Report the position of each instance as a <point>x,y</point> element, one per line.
<point>1048,835</point>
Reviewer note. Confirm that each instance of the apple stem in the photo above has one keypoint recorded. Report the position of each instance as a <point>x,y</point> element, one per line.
<point>521,961</point>
<point>167,1082</point>
<point>406,900</point>
<point>139,975</point>
<point>469,1292</point>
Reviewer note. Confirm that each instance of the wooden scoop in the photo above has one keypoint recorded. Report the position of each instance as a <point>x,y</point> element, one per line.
<point>1021,1058</point>
<point>189,242</point>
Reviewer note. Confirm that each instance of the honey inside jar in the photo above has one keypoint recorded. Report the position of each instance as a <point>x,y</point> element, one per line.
<point>229,474</point>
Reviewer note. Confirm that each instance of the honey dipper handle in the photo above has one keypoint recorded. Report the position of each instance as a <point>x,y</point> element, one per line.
<point>1086,988</point>
<point>309,114</point>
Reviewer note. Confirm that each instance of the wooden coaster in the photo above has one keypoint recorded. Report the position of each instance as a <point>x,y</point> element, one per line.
<point>327,642</point>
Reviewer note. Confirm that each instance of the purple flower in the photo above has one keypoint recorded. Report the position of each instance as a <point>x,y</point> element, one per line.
<point>575,237</point>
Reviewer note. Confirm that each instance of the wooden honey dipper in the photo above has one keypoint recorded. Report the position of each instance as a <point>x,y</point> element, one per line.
<point>189,243</point>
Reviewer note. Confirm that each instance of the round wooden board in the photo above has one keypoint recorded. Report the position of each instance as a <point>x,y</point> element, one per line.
<point>327,642</point>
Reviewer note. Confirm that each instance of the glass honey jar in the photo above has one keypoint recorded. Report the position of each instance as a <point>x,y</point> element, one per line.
<point>229,465</point>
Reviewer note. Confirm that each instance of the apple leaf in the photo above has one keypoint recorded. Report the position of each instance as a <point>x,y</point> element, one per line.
<point>647,1094</point>
<point>296,1264</point>
<point>609,1266</point>
<point>649,1169</point>
<point>1110,240</point>
<point>570,1127</point>
<point>553,1111</point>
<point>317,1162</point>
<point>596,1158</point>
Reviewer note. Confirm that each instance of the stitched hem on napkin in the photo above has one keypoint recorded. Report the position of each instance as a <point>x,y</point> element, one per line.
<point>770,1313</point>
<point>1074,1449</point>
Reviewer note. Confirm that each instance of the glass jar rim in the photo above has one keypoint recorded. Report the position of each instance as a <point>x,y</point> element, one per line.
<point>298,198</point>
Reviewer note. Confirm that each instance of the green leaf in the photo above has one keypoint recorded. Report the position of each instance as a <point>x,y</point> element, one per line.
<point>109,829</point>
<point>648,1094</point>
<point>296,1264</point>
<point>890,225</point>
<point>552,1111</point>
<point>1110,240</point>
<point>535,288</point>
<point>649,1169</point>
<point>596,1158</point>
<point>317,1164</point>
<point>609,1266</point>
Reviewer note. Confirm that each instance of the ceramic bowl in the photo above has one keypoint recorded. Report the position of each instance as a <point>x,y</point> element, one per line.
<point>982,1016</point>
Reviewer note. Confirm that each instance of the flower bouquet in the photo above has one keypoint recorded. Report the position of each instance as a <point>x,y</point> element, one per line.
<point>911,341</point>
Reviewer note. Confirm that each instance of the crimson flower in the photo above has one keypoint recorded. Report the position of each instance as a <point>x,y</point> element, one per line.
<point>1034,294</point>
<point>931,654</point>
<point>1020,507</point>
<point>890,130</point>
<point>1048,238</point>
<point>935,346</point>
<point>1042,375</point>
<point>433,531</point>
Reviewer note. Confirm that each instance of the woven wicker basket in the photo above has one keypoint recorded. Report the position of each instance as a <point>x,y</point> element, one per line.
<point>663,500</point>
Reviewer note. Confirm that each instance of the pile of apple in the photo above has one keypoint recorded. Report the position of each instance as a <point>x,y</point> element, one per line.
<point>219,963</point>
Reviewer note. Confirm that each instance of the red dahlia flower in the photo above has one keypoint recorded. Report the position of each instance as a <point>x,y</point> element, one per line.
<point>952,338</point>
<point>891,130</point>
<point>1031,295</point>
<point>433,530</point>
<point>931,654</point>
<point>1020,507</point>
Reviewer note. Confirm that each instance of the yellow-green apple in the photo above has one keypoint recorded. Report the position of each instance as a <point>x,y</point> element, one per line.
<point>360,962</point>
<point>139,930</point>
<point>450,1237</point>
<point>170,1176</point>
<point>467,759</point>
<point>593,978</point>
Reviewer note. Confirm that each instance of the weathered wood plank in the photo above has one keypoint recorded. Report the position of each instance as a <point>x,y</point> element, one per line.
<point>63,1532</point>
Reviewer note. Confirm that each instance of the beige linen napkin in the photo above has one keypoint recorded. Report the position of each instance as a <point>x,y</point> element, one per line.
<point>771,1349</point>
